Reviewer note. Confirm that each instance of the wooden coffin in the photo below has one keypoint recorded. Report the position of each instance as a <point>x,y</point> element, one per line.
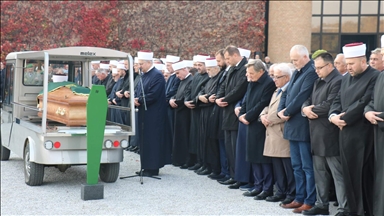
<point>65,107</point>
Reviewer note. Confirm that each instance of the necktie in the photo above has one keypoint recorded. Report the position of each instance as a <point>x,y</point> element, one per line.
<point>278,92</point>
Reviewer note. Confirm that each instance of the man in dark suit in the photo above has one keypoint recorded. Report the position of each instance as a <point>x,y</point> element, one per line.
<point>355,135</point>
<point>259,93</point>
<point>296,128</point>
<point>228,95</point>
<point>324,135</point>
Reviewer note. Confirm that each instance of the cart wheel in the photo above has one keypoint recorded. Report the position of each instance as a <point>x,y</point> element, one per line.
<point>4,152</point>
<point>109,172</point>
<point>33,172</point>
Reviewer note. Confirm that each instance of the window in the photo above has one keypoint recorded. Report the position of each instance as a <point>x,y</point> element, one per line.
<point>331,7</point>
<point>368,24</point>
<point>350,7</point>
<point>8,85</point>
<point>369,7</point>
<point>331,24</point>
<point>349,24</point>
<point>316,24</point>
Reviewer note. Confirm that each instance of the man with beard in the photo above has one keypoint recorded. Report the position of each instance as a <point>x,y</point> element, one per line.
<point>182,116</point>
<point>216,120</point>
<point>229,94</point>
<point>150,100</point>
<point>374,113</point>
<point>355,135</point>
<point>191,99</point>
<point>171,87</point>
<point>208,149</point>
<point>325,136</point>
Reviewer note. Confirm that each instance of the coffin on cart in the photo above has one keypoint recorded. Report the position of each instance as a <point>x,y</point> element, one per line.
<point>66,103</point>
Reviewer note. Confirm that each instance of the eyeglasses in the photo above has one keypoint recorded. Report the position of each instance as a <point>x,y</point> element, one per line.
<point>319,68</point>
<point>278,77</point>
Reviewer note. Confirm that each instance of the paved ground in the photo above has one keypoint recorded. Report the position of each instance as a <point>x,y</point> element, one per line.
<point>179,192</point>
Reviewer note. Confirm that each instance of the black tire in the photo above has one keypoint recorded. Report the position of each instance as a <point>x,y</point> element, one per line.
<point>109,172</point>
<point>33,172</point>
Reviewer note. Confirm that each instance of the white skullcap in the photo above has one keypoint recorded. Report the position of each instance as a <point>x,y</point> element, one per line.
<point>210,62</point>
<point>113,62</point>
<point>136,60</point>
<point>194,58</point>
<point>382,41</point>
<point>121,62</point>
<point>178,65</point>
<point>354,50</point>
<point>159,66</point>
<point>201,58</point>
<point>188,63</point>
<point>104,66</point>
<point>244,52</point>
<point>114,70</point>
<point>95,62</point>
<point>172,59</point>
<point>145,55</point>
<point>121,66</point>
<point>163,60</point>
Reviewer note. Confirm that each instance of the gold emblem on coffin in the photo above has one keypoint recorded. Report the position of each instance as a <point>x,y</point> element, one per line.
<point>65,107</point>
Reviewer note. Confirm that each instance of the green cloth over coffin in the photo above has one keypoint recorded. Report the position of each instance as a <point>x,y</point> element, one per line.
<point>76,89</point>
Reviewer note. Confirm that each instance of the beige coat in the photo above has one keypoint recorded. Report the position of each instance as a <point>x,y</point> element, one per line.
<point>275,144</point>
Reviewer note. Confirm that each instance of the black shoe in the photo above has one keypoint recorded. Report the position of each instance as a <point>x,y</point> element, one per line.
<point>315,210</point>
<point>215,176</point>
<point>336,204</point>
<point>134,148</point>
<point>225,178</point>
<point>342,214</point>
<point>227,182</point>
<point>128,148</point>
<point>275,198</point>
<point>263,195</point>
<point>177,165</point>
<point>202,168</point>
<point>236,185</point>
<point>286,201</point>
<point>252,193</point>
<point>205,172</point>
<point>184,166</point>
<point>195,167</point>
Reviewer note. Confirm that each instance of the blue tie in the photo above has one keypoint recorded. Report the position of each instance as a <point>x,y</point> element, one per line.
<point>278,92</point>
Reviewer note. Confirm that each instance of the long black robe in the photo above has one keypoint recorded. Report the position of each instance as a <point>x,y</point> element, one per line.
<point>116,114</point>
<point>197,84</point>
<point>182,124</point>
<point>152,120</point>
<point>205,112</point>
<point>356,143</point>
<point>171,87</point>
<point>257,97</point>
<point>377,105</point>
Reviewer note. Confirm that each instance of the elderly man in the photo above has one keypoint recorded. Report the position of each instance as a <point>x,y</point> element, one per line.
<point>276,146</point>
<point>268,62</point>
<point>208,149</point>
<point>182,116</point>
<point>191,101</point>
<point>257,97</point>
<point>231,92</point>
<point>104,77</point>
<point>355,134</point>
<point>374,113</point>
<point>340,64</point>
<point>325,136</point>
<point>296,128</point>
<point>150,99</point>
<point>376,60</point>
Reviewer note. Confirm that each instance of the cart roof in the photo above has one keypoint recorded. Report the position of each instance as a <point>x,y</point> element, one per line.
<point>78,53</point>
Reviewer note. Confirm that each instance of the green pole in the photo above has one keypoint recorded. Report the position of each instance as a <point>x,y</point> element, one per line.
<point>97,106</point>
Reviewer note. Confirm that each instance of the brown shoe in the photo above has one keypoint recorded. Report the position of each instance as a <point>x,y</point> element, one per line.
<point>293,204</point>
<point>302,208</point>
